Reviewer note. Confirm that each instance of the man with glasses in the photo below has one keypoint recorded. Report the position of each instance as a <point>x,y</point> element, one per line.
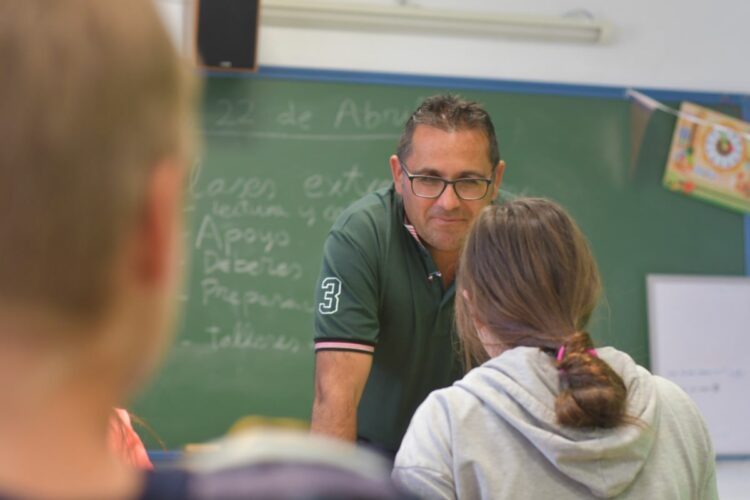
<point>384,302</point>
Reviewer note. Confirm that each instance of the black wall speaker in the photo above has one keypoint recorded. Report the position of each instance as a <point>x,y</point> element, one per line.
<point>227,34</point>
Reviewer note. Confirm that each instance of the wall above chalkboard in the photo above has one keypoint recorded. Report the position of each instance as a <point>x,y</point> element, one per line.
<point>284,155</point>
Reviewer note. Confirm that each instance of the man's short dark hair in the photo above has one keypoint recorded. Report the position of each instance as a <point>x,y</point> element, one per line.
<point>450,112</point>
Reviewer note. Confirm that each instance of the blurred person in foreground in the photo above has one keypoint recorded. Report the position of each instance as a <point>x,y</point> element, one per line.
<point>96,127</point>
<point>546,415</point>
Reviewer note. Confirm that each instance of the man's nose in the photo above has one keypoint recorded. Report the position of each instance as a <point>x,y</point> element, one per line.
<point>449,200</point>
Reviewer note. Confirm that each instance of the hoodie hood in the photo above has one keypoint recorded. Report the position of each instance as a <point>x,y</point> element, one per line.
<point>520,387</point>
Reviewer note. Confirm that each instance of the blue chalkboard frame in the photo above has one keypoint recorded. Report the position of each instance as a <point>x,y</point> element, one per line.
<point>527,87</point>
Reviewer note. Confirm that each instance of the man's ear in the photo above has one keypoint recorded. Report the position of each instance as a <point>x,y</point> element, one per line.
<point>396,172</point>
<point>161,221</point>
<point>499,171</point>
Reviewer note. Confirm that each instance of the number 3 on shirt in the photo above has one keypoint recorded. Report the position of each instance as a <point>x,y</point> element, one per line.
<point>330,302</point>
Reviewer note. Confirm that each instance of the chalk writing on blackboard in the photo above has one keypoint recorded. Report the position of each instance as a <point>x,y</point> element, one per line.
<point>352,120</point>
<point>244,337</point>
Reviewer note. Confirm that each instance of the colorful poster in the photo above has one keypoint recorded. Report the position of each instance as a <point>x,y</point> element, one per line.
<point>710,158</point>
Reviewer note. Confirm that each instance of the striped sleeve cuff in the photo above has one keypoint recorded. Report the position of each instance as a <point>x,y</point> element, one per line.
<point>344,345</point>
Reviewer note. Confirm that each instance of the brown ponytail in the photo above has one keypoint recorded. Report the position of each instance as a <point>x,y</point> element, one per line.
<point>591,393</point>
<point>528,277</point>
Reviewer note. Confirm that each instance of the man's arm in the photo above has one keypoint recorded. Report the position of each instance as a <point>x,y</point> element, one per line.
<point>340,378</point>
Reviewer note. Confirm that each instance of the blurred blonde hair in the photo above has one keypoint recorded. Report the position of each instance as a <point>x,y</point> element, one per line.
<point>92,95</point>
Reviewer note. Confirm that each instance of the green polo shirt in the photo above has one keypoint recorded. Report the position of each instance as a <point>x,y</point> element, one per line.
<point>379,293</point>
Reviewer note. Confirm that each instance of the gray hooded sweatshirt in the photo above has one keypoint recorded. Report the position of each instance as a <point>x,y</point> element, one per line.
<point>494,434</point>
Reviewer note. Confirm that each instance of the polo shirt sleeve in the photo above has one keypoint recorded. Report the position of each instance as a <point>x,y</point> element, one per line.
<point>346,296</point>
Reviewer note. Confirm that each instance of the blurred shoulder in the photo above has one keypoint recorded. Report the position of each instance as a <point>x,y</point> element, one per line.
<point>288,464</point>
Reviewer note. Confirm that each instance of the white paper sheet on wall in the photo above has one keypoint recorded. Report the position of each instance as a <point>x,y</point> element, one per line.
<point>699,334</point>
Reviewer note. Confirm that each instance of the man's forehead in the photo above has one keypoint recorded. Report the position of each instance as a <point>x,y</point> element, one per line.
<point>470,139</point>
<point>464,152</point>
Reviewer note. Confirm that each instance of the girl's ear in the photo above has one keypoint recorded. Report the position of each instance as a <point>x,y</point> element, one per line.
<point>491,345</point>
<point>469,302</point>
<point>467,298</point>
<point>470,306</point>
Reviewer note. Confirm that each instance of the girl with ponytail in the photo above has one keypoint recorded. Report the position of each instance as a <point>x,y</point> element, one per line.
<point>545,414</point>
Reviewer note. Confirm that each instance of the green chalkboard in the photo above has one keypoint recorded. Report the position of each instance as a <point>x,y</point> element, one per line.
<point>283,157</point>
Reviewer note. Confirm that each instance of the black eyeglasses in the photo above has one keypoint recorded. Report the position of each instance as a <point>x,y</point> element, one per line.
<point>428,186</point>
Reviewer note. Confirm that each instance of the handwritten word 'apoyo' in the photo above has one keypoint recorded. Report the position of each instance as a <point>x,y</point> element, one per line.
<point>224,239</point>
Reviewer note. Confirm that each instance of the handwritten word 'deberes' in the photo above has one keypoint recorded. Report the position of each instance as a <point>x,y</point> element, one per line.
<point>213,262</point>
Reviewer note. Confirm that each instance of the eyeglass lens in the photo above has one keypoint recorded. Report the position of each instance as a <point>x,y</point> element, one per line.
<point>432,187</point>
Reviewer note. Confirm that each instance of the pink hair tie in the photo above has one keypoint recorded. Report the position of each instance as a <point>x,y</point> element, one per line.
<point>561,353</point>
